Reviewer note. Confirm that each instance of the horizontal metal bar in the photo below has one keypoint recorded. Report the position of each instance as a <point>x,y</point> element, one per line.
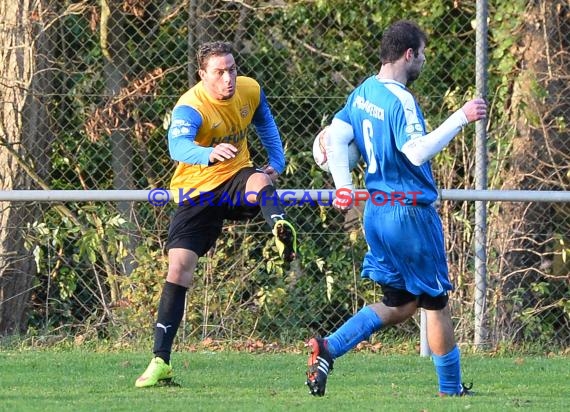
<point>321,196</point>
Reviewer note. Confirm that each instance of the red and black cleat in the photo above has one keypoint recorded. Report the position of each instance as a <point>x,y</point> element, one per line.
<point>320,363</point>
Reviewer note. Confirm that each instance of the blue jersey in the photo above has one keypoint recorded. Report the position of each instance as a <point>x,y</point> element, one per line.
<point>384,115</point>
<point>405,238</point>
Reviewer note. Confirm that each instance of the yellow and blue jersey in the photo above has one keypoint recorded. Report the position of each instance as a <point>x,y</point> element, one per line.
<point>199,122</point>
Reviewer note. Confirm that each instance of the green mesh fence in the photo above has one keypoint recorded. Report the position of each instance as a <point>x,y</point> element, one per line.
<point>87,89</point>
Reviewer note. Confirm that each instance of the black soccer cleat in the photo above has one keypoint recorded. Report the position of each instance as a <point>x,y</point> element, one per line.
<point>320,363</point>
<point>465,391</point>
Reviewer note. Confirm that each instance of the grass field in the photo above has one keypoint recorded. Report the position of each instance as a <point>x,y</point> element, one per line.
<point>76,380</point>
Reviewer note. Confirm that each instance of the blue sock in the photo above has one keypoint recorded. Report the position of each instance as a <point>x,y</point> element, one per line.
<point>363,324</point>
<point>448,371</point>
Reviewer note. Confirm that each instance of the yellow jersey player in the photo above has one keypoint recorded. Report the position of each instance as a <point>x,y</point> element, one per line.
<point>215,180</point>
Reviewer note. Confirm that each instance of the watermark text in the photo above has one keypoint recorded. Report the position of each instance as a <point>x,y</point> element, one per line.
<point>161,197</point>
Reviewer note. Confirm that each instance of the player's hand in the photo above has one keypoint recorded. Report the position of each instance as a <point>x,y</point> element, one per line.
<point>223,151</point>
<point>475,109</point>
<point>344,200</point>
<point>271,172</point>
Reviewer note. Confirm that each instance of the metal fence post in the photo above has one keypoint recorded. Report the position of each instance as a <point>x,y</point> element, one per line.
<point>424,344</point>
<point>481,177</point>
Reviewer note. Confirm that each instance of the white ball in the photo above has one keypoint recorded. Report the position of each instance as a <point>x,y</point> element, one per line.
<point>320,155</point>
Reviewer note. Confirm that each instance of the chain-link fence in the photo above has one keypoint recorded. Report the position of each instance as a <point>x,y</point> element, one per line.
<point>87,88</point>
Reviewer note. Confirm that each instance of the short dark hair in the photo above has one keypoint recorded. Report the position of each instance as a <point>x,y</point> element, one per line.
<point>399,37</point>
<point>215,48</point>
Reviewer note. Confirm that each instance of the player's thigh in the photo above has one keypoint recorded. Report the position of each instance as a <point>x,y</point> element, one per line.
<point>423,263</point>
<point>243,204</point>
<point>195,228</point>
<point>413,235</point>
<point>238,189</point>
<point>411,241</point>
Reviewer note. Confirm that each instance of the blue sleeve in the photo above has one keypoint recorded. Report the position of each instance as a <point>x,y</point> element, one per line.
<point>344,115</point>
<point>269,135</point>
<point>184,126</point>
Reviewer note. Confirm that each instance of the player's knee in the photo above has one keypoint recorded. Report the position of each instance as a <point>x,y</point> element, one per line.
<point>258,181</point>
<point>179,275</point>
<point>181,270</point>
<point>393,315</point>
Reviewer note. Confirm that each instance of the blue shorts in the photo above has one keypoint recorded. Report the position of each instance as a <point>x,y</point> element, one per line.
<point>406,249</point>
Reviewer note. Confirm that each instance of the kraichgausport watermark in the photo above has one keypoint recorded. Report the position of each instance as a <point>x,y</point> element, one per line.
<point>161,197</point>
<point>378,197</point>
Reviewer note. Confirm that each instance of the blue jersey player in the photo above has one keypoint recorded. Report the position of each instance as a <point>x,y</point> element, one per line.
<point>406,255</point>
